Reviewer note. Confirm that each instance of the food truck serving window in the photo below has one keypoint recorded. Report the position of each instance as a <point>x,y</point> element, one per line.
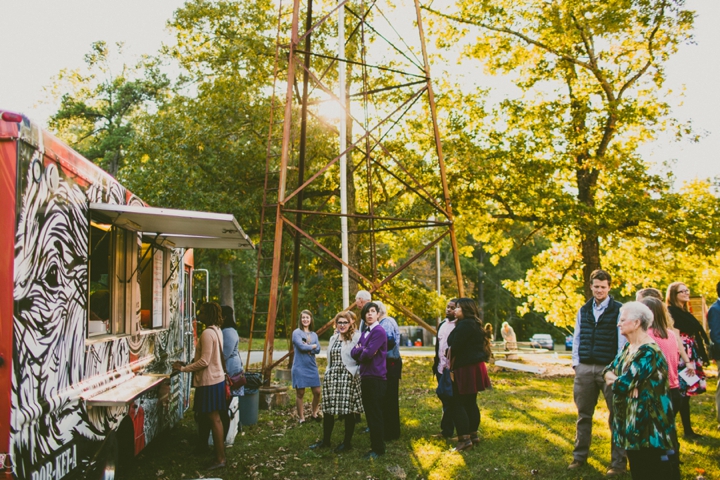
<point>153,270</point>
<point>130,261</point>
<point>106,279</point>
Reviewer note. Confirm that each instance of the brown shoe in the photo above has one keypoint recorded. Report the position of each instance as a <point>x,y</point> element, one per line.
<point>474,438</point>
<point>615,472</point>
<point>576,464</point>
<point>464,443</point>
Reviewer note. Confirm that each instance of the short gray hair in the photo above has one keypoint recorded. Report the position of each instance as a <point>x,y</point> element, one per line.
<point>364,295</point>
<point>638,311</point>
<point>382,309</point>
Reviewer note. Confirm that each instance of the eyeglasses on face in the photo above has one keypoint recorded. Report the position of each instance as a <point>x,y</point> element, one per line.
<point>343,323</point>
<point>684,291</point>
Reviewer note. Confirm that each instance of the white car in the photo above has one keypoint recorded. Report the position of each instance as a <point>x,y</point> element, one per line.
<point>542,340</point>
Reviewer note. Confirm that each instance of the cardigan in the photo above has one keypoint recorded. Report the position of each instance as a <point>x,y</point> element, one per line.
<point>347,345</point>
<point>207,365</point>
<point>371,352</point>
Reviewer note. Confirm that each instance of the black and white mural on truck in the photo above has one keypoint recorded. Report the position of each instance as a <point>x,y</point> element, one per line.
<point>53,433</point>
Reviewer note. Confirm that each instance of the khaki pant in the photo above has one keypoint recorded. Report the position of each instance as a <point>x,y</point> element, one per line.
<point>586,390</point>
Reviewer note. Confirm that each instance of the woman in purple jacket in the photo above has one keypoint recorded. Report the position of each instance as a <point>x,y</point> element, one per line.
<point>371,352</point>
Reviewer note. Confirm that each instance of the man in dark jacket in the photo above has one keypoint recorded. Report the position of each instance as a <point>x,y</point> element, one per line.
<point>713,320</point>
<point>447,427</point>
<point>596,342</point>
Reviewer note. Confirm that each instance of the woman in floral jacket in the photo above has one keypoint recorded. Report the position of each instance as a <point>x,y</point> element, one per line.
<point>642,423</point>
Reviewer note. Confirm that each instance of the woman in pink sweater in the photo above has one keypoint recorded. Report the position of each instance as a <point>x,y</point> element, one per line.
<point>671,347</point>
<point>209,382</point>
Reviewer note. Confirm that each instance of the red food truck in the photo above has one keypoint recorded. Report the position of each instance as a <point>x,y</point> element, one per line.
<point>95,306</point>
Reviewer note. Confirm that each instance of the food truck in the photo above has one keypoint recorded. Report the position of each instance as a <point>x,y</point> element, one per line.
<point>95,306</point>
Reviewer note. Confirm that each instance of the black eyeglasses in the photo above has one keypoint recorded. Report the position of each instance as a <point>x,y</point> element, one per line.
<point>343,323</point>
<point>683,291</point>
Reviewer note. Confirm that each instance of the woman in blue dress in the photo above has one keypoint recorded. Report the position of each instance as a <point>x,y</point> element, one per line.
<point>304,369</point>
<point>233,365</point>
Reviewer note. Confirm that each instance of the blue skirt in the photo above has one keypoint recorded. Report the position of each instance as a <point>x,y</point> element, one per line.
<point>210,398</point>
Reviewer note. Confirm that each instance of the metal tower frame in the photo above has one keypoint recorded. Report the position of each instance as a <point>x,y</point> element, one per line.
<point>277,210</point>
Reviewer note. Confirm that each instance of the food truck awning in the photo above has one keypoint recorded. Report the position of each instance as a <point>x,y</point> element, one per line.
<point>176,228</point>
<point>125,392</point>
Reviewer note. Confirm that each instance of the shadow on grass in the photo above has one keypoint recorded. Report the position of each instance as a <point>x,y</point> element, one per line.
<point>528,423</point>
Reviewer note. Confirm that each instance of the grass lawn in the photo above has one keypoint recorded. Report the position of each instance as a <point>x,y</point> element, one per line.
<point>527,431</point>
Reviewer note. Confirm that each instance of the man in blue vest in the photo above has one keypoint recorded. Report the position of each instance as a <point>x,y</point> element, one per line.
<point>596,342</point>
<point>713,320</point>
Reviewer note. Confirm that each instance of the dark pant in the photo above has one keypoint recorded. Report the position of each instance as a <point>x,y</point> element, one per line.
<point>652,464</point>
<point>391,409</point>
<point>447,427</point>
<point>373,394</point>
<point>204,427</point>
<point>685,415</point>
<point>465,413</point>
<point>225,419</point>
<point>329,424</point>
<point>676,399</point>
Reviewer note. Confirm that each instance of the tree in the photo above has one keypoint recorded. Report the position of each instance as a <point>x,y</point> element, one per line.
<point>98,108</point>
<point>563,157</point>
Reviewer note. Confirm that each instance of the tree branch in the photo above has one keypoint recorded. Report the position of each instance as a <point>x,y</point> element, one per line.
<point>651,39</point>
<point>509,31</point>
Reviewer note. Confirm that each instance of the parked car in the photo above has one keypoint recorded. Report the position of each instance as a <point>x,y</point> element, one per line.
<point>568,343</point>
<point>542,340</point>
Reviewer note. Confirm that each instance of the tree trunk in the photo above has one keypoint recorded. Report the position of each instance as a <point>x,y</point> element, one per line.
<point>591,259</point>
<point>226,286</point>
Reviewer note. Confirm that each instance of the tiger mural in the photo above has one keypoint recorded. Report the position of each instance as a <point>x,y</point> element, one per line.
<point>49,324</point>
<point>50,296</point>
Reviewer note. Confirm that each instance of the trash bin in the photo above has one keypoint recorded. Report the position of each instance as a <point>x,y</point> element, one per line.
<point>249,405</point>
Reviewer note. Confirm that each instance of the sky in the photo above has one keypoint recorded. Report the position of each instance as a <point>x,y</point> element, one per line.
<point>41,37</point>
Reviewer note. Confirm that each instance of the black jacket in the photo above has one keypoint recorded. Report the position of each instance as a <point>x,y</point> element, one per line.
<point>688,324</point>
<point>468,343</point>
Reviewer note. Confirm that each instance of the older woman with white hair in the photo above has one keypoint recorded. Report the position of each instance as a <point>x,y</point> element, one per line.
<point>642,424</point>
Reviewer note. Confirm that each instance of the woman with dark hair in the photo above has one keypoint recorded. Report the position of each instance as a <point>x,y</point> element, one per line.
<point>233,363</point>
<point>642,424</point>
<point>694,340</point>
<point>371,352</point>
<point>468,350</point>
<point>304,368</point>
<point>209,382</point>
<point>341,394</point>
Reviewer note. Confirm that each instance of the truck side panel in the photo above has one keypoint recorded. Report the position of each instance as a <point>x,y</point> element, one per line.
<point>8,160</point>
<point>53,432</point>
